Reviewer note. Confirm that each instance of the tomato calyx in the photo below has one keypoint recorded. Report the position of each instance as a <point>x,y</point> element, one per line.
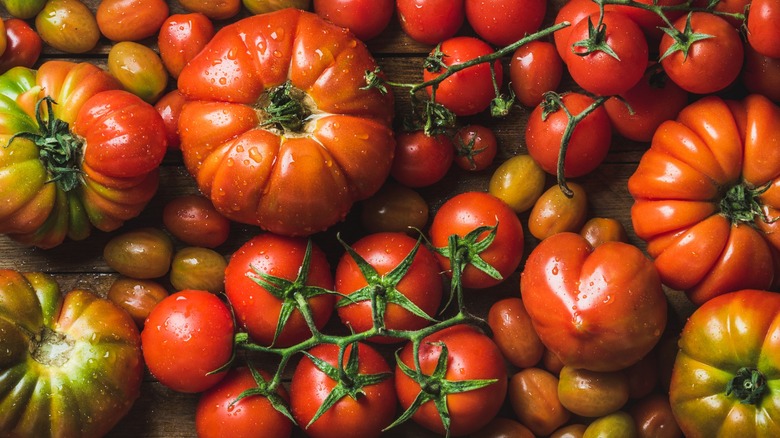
<point>748,386</point>
<point>51,348</point>
<point>596,40</point>
<point>265,389</point>
<point>466,250</point>
<point>683,40</point>
<point>60,150</point>
<point>741,204</point>
<point>284,108</point>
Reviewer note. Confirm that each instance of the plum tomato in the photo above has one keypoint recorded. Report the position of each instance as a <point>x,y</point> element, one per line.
<point>430,21</point>
<point>215,10</point>
<point>137,297</point>
<point>139,69</point>
<point>198,268</point>
<point>533,396</point>
<point>535,68</point>
<point>143,253</point>
<point>23,45</point>
<point>592,393</point>
<point>263,6</point>
<point>554,212</point>
<point>394,208</point>
<point>420,159</point>
<point>513,332</point>
<point>501,427</point>
<point>194,220</point>
<point>518,181</point>
<point>68,25</point>
<point>130,20</point>
<point>365,18</point>
<point>654,418</point>
<point>618,424</point>
<point>181,37</point>
<point>476,147</point>
<point>598,230</point>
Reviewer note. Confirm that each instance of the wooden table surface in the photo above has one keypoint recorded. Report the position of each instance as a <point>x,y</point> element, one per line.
<point>164,413</point>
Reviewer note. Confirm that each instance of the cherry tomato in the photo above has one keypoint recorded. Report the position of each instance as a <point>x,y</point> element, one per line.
<point>23,45</point>
<point>533,395</point>
<point>365,18</point>
<point>198,268</point>
<point>470,90</point>
<point>514,332</point>
<point>215,10</point>
<point>572,11</point>
<point>650,22</point>
<point>136,297</point>
<point>187,336</point>
<point>68,25</point>
<point>143,253</point>
<point>760,74</point>
<point>763,27</point>
<point>554,212</point>
<point>169,107</point>
<point>181,37</point>
<point>518,181</point>
<point>420,159</point>
<point>139,69</point>
<point>130,20</point>
<point>598,230</point>
<point>394,208</point>
<point>592,393</point>
<point>535,68</point>
<point>476,147</point>
<point>502,22</point>
<point>194,220</point>
<point>430,21</point>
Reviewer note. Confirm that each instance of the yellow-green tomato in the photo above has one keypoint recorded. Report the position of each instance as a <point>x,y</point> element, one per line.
<point>615,425</point>
<point>518,181</point>
<point>139,69</point>
<point>68,25</point>
<point>198,268</point>
<point>554,212</point>
<point>143,253</point>
<point>263,6</point>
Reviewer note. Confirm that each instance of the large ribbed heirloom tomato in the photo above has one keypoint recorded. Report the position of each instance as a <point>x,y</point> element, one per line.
<point>707,197</point>
<point>279,129</point>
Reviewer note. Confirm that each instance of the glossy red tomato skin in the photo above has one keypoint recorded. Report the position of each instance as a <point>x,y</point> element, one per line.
<point>502,22</point>
<point>468,211</point>
<point>600,309</point>
<point>250,417</point>
<point>535,69</point>
<point>588,145</point>
<point>420,159</point>
<point>365,416</point>
<point>181,37</point>
<point>23,45</point>
<point>471,90</point>
<point>471,355</point>
<point>476,147</point>
<point>430,21</point>
<point>763,26</point>
<point>422,284</point>
<point>365,18</point>
<point>572,12</point>
<point>169,107</point>
<point>188,335</point>
<point>193,220</point>
<point>256,309</point>
<point>130,20</point>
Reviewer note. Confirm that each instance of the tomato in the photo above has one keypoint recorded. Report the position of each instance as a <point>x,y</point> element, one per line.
<point>598,230</point>
<point>615,56</point>
<point>290,178</point>
<point>420,159</point>
<point>3,38</point>
<point>364,401</point>
<point>551,362</point>
<point>142,253</point>
<point>535,68</point>
<point>24,9</point>
<point>365,18</point>
<point>23,45</point>
<point>572,11</point>
<point>470,90</point>
<point>763,26</point>
<point>263,6</point>
<point>592,393</point>
<point>706,195</point>
<point>727,6</point>
<point>430,21</point>
<point>476,147</point>
<point>760,74</point>
<point>650,22</point>
<point>654,418</point>
<point>169,107</point>
<point>181,37</point>
<point>136,297</point>
<point>724,381</point>
<point>198,268</point>
<point>71,364</point>
<point>533,397</point>
<point>394,208</point>
<point>615,425</point>
<point>193,220</point>
<point>554,212</point>
<point>513,332</point>
<point>518,181</point>
<point>215,10</point>
<point>600,309</point>
<point>503,428</point>
<point>130,20</point>
<point>470,355</point>
<point>570,431</point>
<point>139,69</point>
<point>705,65</point>
<point>502,22</point>
<point>68,25</point>
<point>226,407</point>
<point>488,261</point>
<point>409,295</point>
<point>48,197</point>
<point>262,280</point>
<point>589,142</point>
<point>187,336</point>
<point>644,376</point>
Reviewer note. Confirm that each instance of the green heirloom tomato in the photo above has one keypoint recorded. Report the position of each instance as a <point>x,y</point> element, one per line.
<point>263,6</point>
<point>24,9</point>
<point>71,366</point>
<point>726,377</point>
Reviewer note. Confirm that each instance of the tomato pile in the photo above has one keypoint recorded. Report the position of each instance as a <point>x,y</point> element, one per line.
<point>348,310</point>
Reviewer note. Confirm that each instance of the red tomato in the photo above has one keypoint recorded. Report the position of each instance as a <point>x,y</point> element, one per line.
<point>463,214</point>
<point>589,142</point>
<point>365,18</point>
<point>194,220</point>
<point>188,335</point>
<point>476,147</point>
<point>600,309</point>
<point>535,69</point>
<point>471,90</point>
<point>169,107</point>
<point>430,21</point>
<point>365,401</point>
<point>181,37</point>
<point>23,45</point>
<point>417,286</point>
<point>710,64</point>
<point>471,355</point>
<point>650,22</point>
<point>573,11</point>
<point>394,208</point>
<point>761,74</point>
<point>249,417</point>
<point>597,70</point>
<point>420,159</point>
<point>763,27</point>
<point>130,20</point>
<point>258,307</point>
<point>502,22</point>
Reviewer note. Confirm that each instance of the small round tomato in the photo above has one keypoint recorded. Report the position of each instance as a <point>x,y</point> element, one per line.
<point>470,90</point>
<point>198,268</point>
<point>362,407</point>
<point>420,159</point>
<point>476,147</point>
<point>187,336</point>
<point>554,212</point>
<point>502,22</point>
<point>708,65</point>
<point>589,142</point>
<point>130,20</point>
<point>23,45</point>
<point>572,12</point>
<point>514,333</point>
<point>535,68</point>
<point>430,21</point>
<point>598,230</point>
<point>181,37</point>
<point>215,10</point>
<point>518,181</point>
<point>763,27</point>
<point>222,408</point>
<point>533,396</point>
<point>470,355</point>
<point>169,107</point>
<point>194,220</point>
<point>68,25</point>
<point>465,214</point>
<point>394,208</point>
<point>592,393</point>
<point>143,253</point>
<point>760,74</point>
<point>139,69</point>
<point>365,18</point>
<point>410,296</point>
<point>263,279</point>
<point>136,297</point>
